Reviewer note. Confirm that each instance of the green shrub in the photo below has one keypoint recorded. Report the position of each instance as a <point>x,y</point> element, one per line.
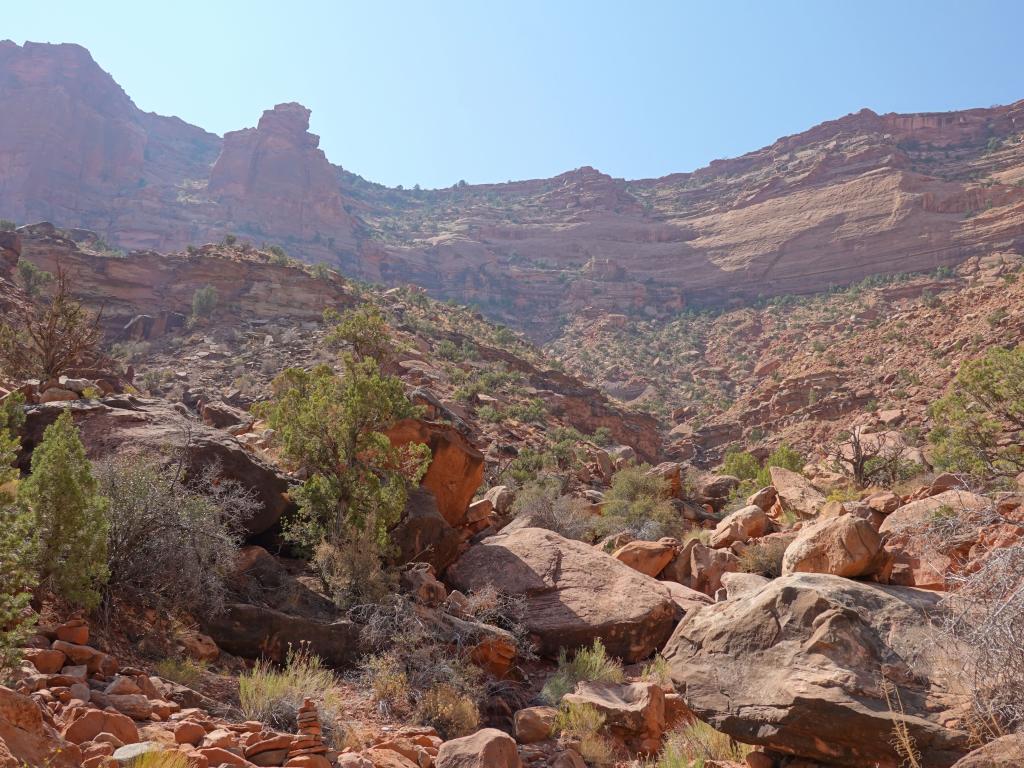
<point>547,507</point>
<point>204,301</point>
<point>657,671</point>
<point>592,664</point>
<point>984,403</point>
<point>69,516</point>
<point>784,457</point>
<point>582,724</point>
<point>638,502</point>
<point>357,482</point>
<point>489,414</point>
<point>363,330</point>
<point>740,464</point>
<point>278,255</point>
<point>32,278</point>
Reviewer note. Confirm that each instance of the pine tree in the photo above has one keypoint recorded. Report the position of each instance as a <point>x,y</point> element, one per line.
<point>17,555</point>
<point>69,516</point>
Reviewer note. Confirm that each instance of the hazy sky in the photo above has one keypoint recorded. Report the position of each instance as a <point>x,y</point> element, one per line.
<point>433,92</point>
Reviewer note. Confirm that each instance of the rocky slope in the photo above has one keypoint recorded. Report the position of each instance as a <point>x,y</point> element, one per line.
<point>865,194</point>
<point>801,371</point>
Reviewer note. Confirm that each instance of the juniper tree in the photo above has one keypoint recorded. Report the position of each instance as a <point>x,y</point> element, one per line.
<point>17,555</point>
<point>333,427</point>
<point>979,422</point>
<point>68,515</point>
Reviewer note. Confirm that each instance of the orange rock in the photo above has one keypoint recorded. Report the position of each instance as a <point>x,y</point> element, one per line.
<point>388,758</point>
<point>648,557</point>
<point>308,761</point>
<point>74,631</point>
<point>46,660</point>
<point>89,723</point>
<point>218,756</point>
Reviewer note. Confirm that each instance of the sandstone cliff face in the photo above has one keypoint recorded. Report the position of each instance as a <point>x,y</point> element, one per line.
<point>861,195</point>
<point>274,179</point>
<point>150,282</point>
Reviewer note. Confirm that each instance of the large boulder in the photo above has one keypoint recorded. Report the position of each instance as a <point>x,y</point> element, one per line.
<point>798,667</point>
<point>744,524</point>
<point>253,631</point>
<point>456,468</point>
<point>707,567</point>
<point>489,748</point>
<point>647,557</point>
<point>424,535</point>
<point>916,514</point>
<point>1004,752</point>
<point>795,492</point>
<point>841,546</point>
<point>119,425</point>
<point>28,737</point>
<point>574,592</point>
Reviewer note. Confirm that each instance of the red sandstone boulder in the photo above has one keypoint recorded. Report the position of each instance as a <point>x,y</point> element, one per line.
<point>27,736</point>
<point>489,748</point>
<point>456,468</point>
<point>841,546</point>
<point>647,557</point>
<point>574,592</point>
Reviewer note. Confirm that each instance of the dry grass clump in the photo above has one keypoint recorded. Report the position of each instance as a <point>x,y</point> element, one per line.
<point>985,612</point>
<point>273,695</point>
<point>450,711</point>
<point>764,557</point>
<point>415,669</point>
<point>657,671</point>
<point>696,744</point>
<point>588,664</point>
<point>580,725</point>
<point>184,671</point>
<point>166,759</point>
<point>545,505</point>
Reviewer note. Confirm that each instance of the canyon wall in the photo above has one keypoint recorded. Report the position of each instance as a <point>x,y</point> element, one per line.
<point>865,194</point>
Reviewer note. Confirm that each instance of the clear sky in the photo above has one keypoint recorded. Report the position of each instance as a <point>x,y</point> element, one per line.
<point>433,92</point>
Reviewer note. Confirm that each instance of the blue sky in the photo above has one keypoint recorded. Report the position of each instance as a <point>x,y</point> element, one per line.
<point>433,92</point>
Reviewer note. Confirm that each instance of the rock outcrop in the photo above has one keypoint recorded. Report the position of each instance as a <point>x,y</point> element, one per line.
<point>799,667</point>
<point>156,430</point>
<point>574,592</point>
